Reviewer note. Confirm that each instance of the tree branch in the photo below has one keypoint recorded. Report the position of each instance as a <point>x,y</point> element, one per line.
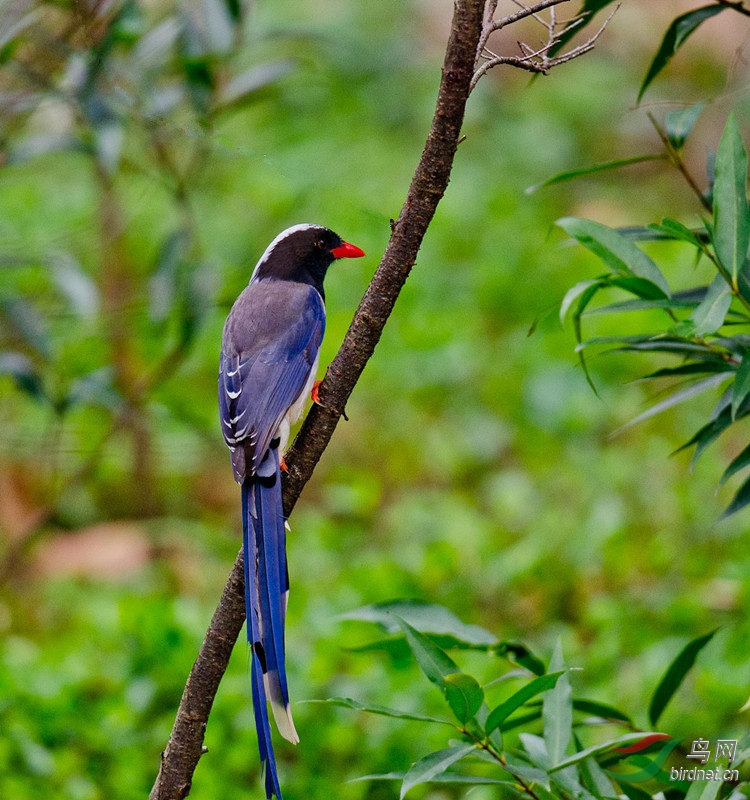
<point>428,185</point>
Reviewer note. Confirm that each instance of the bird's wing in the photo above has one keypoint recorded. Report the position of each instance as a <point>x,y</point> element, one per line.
<point>270,345</point>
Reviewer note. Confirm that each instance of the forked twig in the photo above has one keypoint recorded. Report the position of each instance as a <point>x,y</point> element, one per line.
<point>531,59</point>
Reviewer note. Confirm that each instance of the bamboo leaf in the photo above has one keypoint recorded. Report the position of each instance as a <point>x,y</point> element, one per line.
<point>557,710</point>
<point>601,710</point>
<point>675,675</point>
<point>741,386</point>
<point>435,763</point>
<point>678,397</point>
<point>692,368</point>
<point>383,711</point>
<point>435,663</point>
<point>618,252</point>
<point>674,38</point>
<point>737,464</point>
<point>679,124</point>
<point>425,617</point>
<point>709,316</point>
<point>704,790</point>
<point>446,777</point>
<point>583,288</point>
<point>499,714</point>
<point>741,499</point>
<point>464,695</point>
<point>520,654</point>
<point>731,216</point>
<point>673,229</point>
<point>580,172</point>
<point>602,747</point>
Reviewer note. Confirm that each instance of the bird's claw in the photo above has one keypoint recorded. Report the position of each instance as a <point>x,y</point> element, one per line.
<point>315,397</point>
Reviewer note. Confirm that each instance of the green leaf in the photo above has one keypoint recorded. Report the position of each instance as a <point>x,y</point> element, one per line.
<point>446,777</point>
<point>709,316</point>
<point>499,714</point>
<point>740,500</point>
<point>246,84</point>
<point>731,216</point>
<point>741,385</point>
<point>601,747</point>
<point>601,710</point>
<point>708,434</point>
<point>23,373</point>
<point>531,775</point>
<point>520,654</point>
<point>703,790</point>
<point>383,711</point>
<point>679,124</point>
<point>738,463</point>
<point>641,287</point>
<point>674,38</point>
<point>675,674</point>
<point>435,664</point>
<point>435,763</point>
<point>425,617</point>
<point>673,229</point>
<point>673,400</point>
<point>703,367</point>
<point>642,305</point>
<point>74,283</point>
<point>596,780</point>
<point>557,710</point>
<point>632,792</point>
<point>27,324</point>
<point>580,172</point>
<point>522,720</point>
<point>464,695</point>
<point>618,252</point>
<point>581,289</point>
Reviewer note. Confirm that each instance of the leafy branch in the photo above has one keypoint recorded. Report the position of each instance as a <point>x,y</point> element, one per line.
<point>556,764</point>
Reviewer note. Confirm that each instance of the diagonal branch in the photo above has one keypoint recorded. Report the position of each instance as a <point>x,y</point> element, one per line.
<point>428,185</point>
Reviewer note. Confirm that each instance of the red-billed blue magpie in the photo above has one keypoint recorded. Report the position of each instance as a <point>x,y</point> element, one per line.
<point>269,356</point>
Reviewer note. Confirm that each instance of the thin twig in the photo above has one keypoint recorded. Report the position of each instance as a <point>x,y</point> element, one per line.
<point>738,6</point>
<point>535,60</point>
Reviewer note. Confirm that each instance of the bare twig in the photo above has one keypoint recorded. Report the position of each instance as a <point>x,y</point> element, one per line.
<point>537,60</point>
<point>737,6</point>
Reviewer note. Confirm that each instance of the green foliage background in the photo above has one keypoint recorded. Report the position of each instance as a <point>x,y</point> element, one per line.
<point>476,469</point>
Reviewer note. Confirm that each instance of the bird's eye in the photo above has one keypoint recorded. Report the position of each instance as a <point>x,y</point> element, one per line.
<point>321,244</point>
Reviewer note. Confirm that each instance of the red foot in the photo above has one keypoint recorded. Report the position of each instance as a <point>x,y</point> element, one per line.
<point>282,464</point>
<point>314,396</point>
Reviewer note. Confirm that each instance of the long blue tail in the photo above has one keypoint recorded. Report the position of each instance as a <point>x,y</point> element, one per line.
<point>266,592</point>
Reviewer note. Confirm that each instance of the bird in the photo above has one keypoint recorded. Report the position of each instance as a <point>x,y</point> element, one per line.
<point>270,349</point>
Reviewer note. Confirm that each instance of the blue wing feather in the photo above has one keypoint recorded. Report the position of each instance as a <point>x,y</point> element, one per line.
<point>270,345</point>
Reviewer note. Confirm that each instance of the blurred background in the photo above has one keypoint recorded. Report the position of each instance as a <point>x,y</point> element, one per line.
<point>149,151</point>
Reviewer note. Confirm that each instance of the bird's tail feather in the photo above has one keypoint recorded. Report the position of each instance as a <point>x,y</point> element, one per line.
<point>267,586</point>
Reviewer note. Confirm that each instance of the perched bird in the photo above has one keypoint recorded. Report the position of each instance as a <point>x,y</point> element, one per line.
<point>269,356</point>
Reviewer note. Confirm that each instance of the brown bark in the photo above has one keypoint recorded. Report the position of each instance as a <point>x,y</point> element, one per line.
<point>428,185</point>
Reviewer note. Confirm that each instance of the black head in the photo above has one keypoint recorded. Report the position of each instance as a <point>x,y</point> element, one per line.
<point>303,254</point>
